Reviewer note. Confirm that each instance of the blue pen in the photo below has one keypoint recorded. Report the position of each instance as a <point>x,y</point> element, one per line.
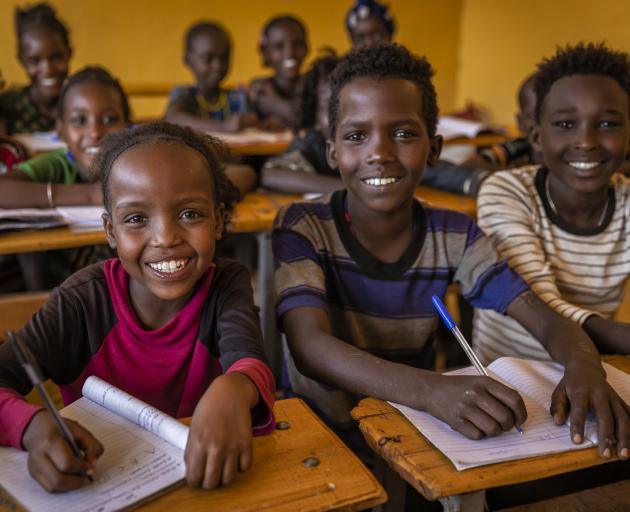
<point>452,326</point>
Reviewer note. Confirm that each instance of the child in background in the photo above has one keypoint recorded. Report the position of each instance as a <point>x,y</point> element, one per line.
<point>206,106</point>
<point>565,226</point>
<point>355,272</point>
<point>283,46</point>
<point>304,167</point>
<point>44,52</point>
<point>165,305</point>
<point>370,22</point>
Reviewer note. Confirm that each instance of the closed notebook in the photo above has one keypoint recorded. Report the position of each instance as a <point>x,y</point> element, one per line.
<point>143,455</point>
<point>535,381</point>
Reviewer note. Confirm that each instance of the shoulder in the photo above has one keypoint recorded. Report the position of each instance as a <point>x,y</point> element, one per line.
<point>506,189</point>
<point>521,178</point>
<point>443,219</point>
<point>316,211</point>
<point>228,269</point>
<point>87,276</point>
<point>13,94</point>
<point>48,163</point>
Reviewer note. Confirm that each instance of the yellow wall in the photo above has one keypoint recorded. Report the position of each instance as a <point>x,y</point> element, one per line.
<point>140,41</point>
<point>502,40</point>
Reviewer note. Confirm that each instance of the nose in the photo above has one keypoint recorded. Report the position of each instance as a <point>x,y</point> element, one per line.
<point>96,130</point>
<point>380,150</point>
<point>47,67</point>
<point>587,137</point>
<point>165,232</point>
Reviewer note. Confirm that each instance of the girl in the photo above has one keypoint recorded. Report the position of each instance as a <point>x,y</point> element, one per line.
<point>283,47</point>
<point>369,22</point>
<point>165,307</point>
<point>44,52</point>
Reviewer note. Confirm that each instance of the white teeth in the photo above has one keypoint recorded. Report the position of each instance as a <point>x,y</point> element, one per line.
<point>49,81</point>
<point>92,150</point>
<point>584,166</point>
<point>290,63</point>
<point>168,266</point>
<point>380,182</point>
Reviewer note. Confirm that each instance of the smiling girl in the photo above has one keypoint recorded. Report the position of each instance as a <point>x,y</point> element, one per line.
<point>165,320</point>
<point>44,52</point>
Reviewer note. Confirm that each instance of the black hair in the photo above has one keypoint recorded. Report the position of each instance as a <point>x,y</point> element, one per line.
<point>277,20</point>
<point>581,59</point>
<point>363,9</point>
<point>385,61</point>
<point>320,70</point>
<point>211,149</point>
<point>204,27</point>
<point>99,75</point>
<point>39,17</point>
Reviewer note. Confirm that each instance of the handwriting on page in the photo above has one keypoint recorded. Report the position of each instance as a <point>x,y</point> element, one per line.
<point>135,465</point>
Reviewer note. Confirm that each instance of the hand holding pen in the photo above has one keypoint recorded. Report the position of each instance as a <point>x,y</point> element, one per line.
<point>61,452</point>
<point>477,406</point>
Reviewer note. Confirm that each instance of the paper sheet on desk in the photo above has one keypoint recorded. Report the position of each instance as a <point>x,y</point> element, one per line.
<point>83,218</point>
<point>535,380</point>
<point>40,142</point>
<point>29,218</point>
<point>454,127</point>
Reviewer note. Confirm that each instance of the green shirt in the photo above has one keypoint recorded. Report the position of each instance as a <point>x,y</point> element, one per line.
<point>54,167</point>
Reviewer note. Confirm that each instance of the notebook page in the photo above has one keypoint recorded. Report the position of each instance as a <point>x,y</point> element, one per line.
<point>136,411</point>
<point>541,436</point>
<point>134,466</point>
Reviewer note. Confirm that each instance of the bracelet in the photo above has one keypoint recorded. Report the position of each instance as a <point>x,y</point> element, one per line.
<point>49,196</point>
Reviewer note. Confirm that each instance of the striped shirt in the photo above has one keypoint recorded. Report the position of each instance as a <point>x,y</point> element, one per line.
<point>576,272</point>
<point>383,308</point>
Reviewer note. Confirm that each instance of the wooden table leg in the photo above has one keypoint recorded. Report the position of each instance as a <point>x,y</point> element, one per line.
<point>395,487</point>
<point>470,502</point>
<point>271,337</point>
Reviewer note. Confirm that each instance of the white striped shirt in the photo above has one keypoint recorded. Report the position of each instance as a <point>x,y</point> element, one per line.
<point>578,273</point>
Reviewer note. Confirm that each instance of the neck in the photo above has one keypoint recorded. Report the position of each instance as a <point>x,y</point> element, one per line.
<point>585,210</point>
<point>384,235</point>
<point>285,84</point>
<point>212,95</point>
<point>153,313</point>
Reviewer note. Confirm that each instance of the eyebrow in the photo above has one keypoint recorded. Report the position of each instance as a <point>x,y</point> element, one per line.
<point>143,204</point>
<point>571,110</point>
<point>350,123</point>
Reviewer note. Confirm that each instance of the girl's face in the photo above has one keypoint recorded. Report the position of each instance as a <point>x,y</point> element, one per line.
<point>163,221</point>
<point>209,60</point>
<point>90,110</point>
<point>285,50</point>
<point>45,58</point>
<point>369,31</point>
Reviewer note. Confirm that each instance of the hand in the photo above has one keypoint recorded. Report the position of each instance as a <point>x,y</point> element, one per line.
<point>220,440</point>
<point>50,458</point>
<point>476,406</point>
<point>584,388</point>
<point>238,122</point>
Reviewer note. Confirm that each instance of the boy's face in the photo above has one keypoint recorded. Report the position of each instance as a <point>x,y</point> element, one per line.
<point>583,131</point>
<point>285,50</point>
<point>163,222</point>
<point>209,60</point>
<point>91,110</point>
<point>381,145</point>
<point>45,58</point>
<point>368,32</point>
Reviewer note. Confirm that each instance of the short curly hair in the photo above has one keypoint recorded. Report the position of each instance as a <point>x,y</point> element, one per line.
<point>581,59</point>
<point>211,149</point>
<point>41,16</point>
<point>385,61</point>
<point>205,27</point>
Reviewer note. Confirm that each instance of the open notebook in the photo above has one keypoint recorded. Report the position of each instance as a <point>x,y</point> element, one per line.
<point>143,455</point>
<point>535,381</point>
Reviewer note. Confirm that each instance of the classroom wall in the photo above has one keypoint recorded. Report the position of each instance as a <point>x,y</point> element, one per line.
<point>502,40</point>
<point>141,40</point>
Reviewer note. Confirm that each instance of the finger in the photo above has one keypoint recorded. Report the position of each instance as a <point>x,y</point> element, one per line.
<point>60,454</point>
<point>605,428</point>
<point>506,397</point>
<point>499,411</point>
<point>578,410</point>
<point>245,460</point>
<point>42,469</point>
<point>229,469</point>
<point>485,423</point>
<point>213,470</point>
<point>621,413</point>
<point>559,404</point>
<point>91,446</point>
<point>195,465</point>
<point>467,429</point>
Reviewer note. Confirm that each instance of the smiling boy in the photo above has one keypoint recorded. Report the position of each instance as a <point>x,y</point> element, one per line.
<point>355,272</point>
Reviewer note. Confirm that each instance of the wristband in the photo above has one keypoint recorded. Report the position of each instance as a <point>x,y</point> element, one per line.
<point>49,195</point>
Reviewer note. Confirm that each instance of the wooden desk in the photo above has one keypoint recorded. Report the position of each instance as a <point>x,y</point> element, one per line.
<point>418,462</point>
<point>305,467</point>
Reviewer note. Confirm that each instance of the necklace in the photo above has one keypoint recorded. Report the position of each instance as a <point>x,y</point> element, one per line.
<point>555,210</point>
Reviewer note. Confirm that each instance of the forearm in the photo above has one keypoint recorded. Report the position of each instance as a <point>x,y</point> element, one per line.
<point>610,337</point>
<point>203,125</point>
<point>295,182</point>
<point>28,194</point>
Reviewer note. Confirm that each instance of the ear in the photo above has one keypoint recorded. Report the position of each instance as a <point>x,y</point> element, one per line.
<point>186,58</point>
<point>219,222</point>
<point>331,154</point>
<point>262,48</point>
<point>534,138</point>
<point>435,146</point>
<point>109,230</point>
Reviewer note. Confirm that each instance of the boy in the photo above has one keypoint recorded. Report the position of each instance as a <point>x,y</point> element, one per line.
<point>355,272</point>
<point>205,106</point>
<point>565,227</point>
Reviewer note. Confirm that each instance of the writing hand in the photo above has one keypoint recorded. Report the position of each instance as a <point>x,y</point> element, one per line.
<point>50,458</point>
<point>220,440</point>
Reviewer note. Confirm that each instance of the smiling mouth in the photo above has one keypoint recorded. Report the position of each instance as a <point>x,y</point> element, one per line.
<point>381,182</point>
<point>92,150</point>
<point>169,267</point>
<point>49,82</point>
<point>290,63</point>
<point>583,166</point>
